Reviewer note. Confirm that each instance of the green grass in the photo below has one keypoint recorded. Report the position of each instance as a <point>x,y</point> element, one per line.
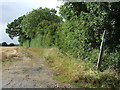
<point>77,72</point>
<point>62,78</point>
<point>6,60</point>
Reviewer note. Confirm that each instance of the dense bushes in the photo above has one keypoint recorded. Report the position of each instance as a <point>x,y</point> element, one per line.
<point>79,35</point>
<point>41,22</point>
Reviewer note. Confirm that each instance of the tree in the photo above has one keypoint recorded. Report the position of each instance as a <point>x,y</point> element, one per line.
<point>41,22</point>
<point>31,21</point>
<point>14,28</point>
<point>81,33</point>
<point>4,44</point>
<point>94,18</point>
<point>11,44</point>
<point>71,9</point>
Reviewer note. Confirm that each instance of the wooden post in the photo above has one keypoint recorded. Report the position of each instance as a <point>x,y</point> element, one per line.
<point>101,50</point>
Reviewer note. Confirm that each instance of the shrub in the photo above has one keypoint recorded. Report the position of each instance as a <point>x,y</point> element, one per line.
<point>11,44</point>
<point>4,44</point>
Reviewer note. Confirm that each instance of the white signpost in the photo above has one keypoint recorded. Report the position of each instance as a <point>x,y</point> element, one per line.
<point>101,50</point>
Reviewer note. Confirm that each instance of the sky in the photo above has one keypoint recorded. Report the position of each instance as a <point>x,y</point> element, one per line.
<point>12,9</point>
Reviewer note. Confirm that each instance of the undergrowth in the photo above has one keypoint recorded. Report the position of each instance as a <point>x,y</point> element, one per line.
<point>76,71</point>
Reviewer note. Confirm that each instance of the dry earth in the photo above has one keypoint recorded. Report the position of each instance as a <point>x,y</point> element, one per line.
<point>22,68</point>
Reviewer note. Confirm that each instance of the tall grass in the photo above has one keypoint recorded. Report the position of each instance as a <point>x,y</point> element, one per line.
<point>26,43</point>
<point>76,71</point>
<point>37,42</point>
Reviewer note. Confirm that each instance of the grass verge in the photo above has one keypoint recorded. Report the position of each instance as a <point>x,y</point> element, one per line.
<point>77,72</point>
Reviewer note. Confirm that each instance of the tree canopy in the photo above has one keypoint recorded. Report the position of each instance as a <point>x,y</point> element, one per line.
<point>78,35</point>
<point>93,18</point>
<point>39,19</point>
<point>14,28</point>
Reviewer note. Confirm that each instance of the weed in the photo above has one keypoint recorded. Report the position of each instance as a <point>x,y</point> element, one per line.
<point>6,60</point>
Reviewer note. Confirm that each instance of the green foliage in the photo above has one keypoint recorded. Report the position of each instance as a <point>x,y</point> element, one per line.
<point>71,9</point>
<point>97,17</point>
<point>41,23</point>
<point>79,35</point>
<point>37,42</point>
<point>111,61</point>
<point>26,43</point>
<point>14,29</point>
<point>37,21</point>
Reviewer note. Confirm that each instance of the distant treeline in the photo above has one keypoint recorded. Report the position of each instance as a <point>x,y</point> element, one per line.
<point>5,44</point>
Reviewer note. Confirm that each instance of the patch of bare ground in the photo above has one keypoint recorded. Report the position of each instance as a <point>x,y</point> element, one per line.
<point>26,70</point>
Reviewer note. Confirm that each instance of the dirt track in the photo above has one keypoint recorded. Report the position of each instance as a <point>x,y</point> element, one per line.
<point>24,69</point>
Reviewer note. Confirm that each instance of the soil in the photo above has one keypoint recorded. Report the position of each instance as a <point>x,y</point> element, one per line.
<point>22,68</point>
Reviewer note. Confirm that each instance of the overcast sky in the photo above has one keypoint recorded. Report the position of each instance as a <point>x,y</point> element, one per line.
<point>12,9</point>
